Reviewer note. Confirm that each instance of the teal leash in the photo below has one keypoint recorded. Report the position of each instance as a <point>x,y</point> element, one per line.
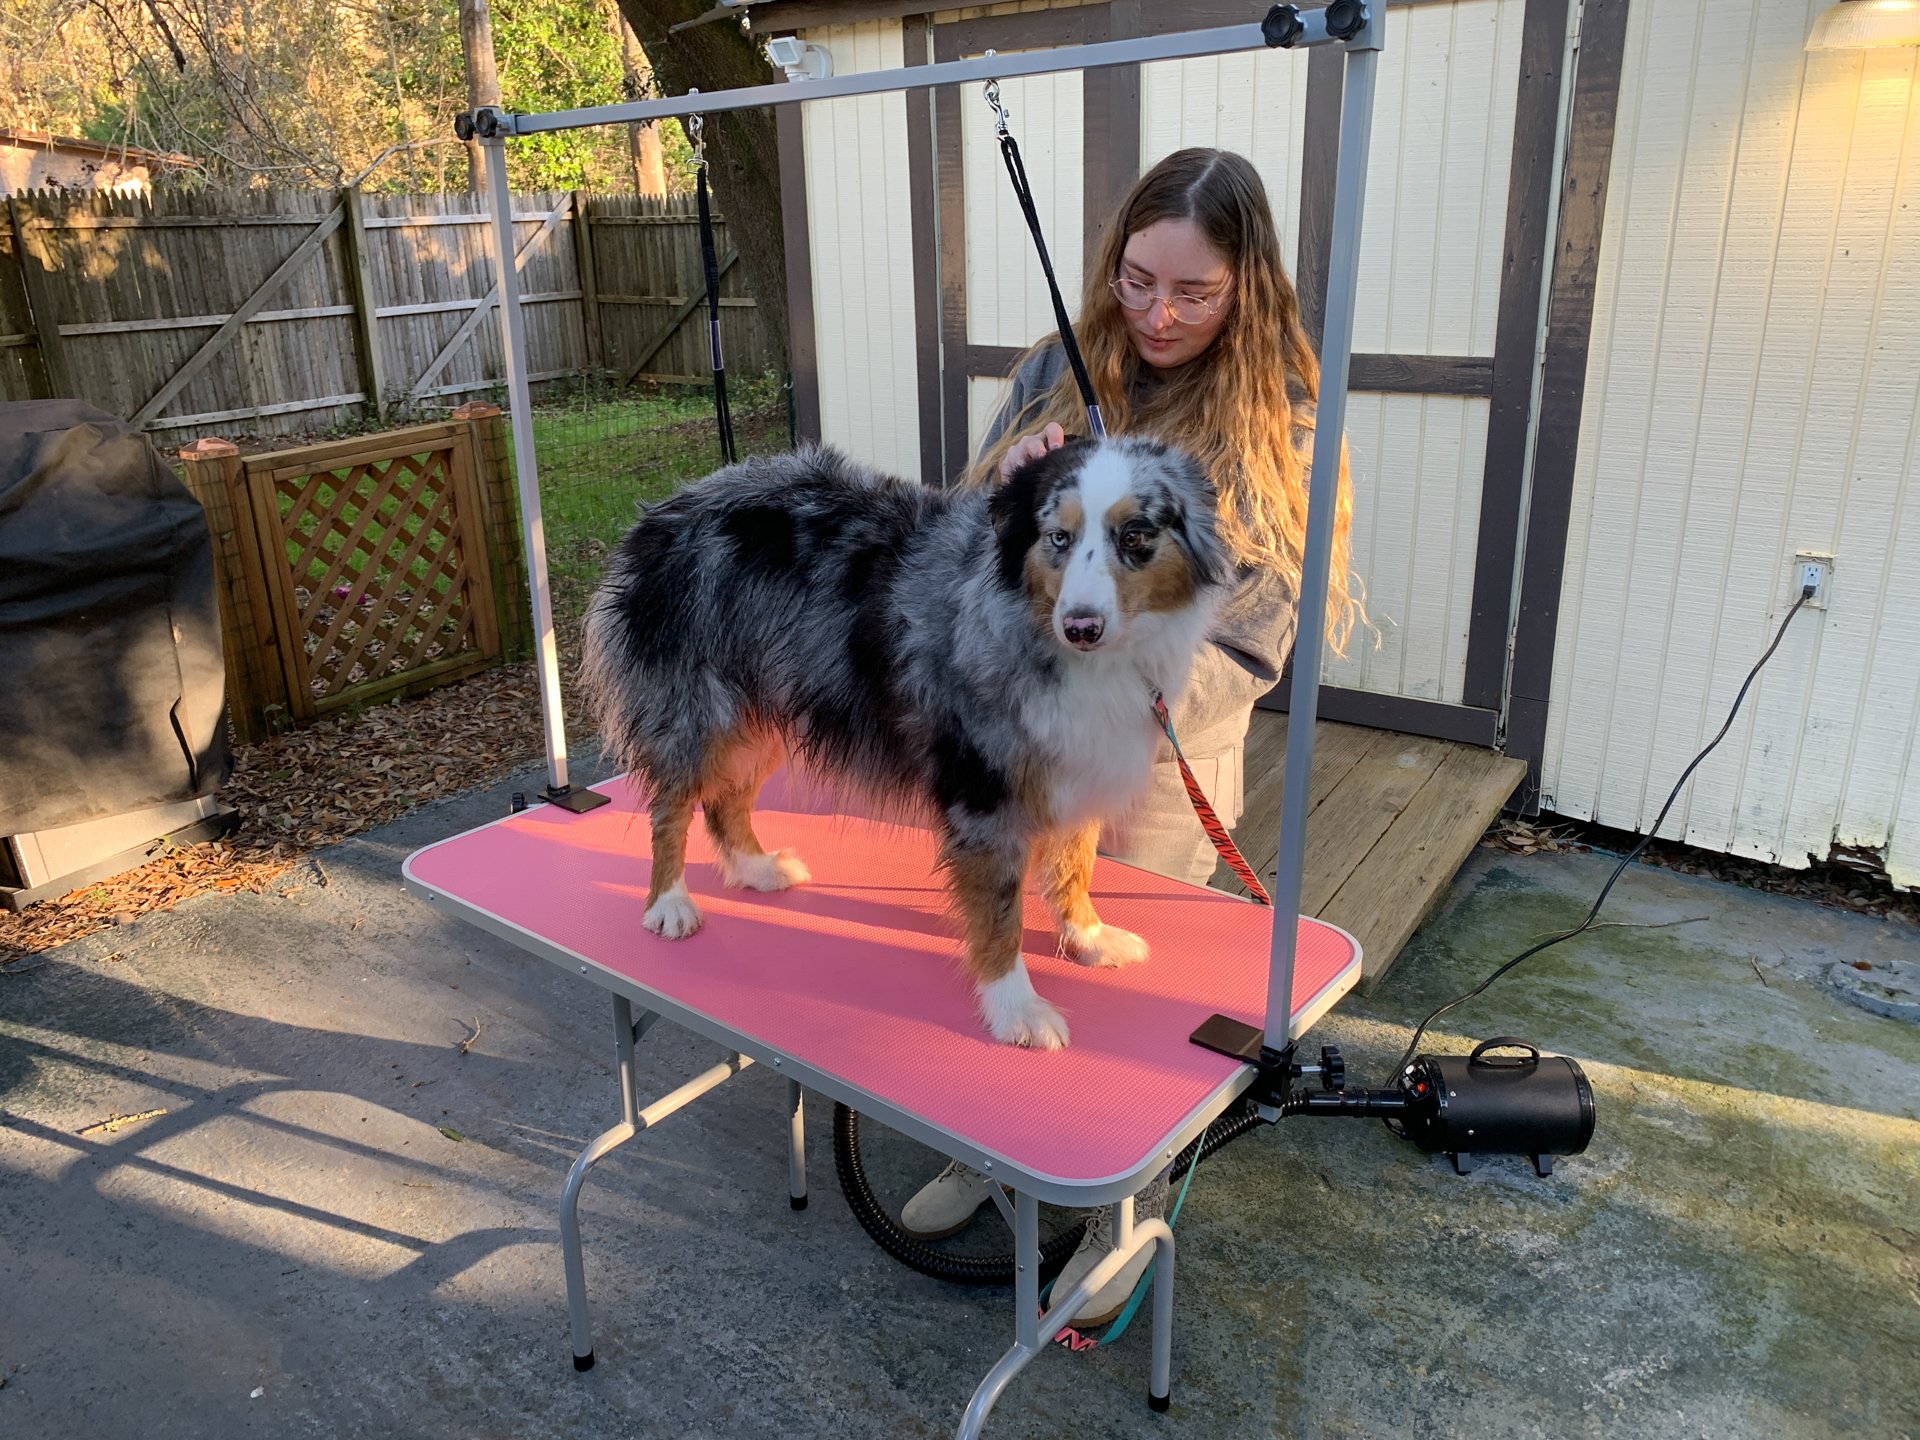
<point>1141,1286</point>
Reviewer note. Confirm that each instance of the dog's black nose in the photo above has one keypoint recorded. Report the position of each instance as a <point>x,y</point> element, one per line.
<point>1083,630</point>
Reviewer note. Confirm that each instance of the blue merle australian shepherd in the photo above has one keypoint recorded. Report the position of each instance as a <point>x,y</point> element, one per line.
<point>981,661</point>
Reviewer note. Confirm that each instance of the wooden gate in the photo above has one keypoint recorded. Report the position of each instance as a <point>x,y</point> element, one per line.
<point>381,581</point>
<point>354,571</point>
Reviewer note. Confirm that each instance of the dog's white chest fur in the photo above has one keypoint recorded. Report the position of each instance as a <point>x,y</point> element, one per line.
<point>1098,723</point>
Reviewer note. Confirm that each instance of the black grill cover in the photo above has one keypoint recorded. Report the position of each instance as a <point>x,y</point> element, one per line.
<point>112,685</point>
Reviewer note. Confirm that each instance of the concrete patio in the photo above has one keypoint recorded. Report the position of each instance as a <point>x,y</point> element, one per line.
<point>332,1221</point>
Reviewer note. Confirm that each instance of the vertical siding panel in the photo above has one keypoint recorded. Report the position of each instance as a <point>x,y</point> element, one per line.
<point>860,228</point>
<point>1007,300</point>
<point>1254,104</point>
<point>1751,392</point>
<point>1853,445</point>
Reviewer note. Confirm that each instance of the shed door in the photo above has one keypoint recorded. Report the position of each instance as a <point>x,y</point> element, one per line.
<point>1447,328</point>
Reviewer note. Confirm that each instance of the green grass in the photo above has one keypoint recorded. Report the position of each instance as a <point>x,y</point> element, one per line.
<point>602,455</point>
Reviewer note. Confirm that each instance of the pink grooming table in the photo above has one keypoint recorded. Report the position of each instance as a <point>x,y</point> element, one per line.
<point>853,983</point>
<point>852,986</point>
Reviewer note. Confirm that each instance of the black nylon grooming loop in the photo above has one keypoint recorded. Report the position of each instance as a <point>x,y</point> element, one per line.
<point>1023,192</point>
<point>723,414</point>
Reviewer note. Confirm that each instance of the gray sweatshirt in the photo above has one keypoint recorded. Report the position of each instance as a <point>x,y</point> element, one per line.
<point>1251,637</point>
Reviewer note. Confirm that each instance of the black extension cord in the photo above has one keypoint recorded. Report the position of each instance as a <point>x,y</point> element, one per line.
<point>1400,1070</point>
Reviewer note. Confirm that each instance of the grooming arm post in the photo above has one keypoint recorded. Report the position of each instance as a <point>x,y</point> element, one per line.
<point>1343,283</point>
<point>513,345</point>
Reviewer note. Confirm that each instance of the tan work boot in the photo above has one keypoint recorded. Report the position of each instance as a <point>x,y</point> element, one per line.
<point>1103,1307</point>
<point>945,1205</point>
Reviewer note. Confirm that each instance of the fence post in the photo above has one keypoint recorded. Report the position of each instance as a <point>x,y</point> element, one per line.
<point>589,284</point>
<point>16,316</point>
<point>256,682</point>
<point>493,456</point>
<point>366,322</point>
<point>33,282</point>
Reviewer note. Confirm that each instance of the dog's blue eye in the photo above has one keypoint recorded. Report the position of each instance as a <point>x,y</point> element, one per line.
<point>1059,539</point>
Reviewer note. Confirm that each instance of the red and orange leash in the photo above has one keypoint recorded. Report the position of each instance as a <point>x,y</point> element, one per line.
<point>1209,821</point>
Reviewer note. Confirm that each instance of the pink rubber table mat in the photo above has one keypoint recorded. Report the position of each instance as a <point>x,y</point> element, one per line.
<point>857,975</point>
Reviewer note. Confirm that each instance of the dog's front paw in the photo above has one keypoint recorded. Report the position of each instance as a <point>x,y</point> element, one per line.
<point>1107,946</point>
<point>763,872</point>
<point>673,916</point>
<point>1016,1015</point>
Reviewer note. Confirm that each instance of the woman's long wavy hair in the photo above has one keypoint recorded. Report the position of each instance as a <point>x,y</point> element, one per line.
<point>1237,406</point>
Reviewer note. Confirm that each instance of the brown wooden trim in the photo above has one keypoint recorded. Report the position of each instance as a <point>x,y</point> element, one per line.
<point>1110,109</point>
<point>1319,162</point>
<point>1035,30</point>
<point>1422,374</point>
<point>782,17</point>
<point>952,276</point>
<point>803,361</point>
<point>917,45</point>
<point>1468,725</point>
<point>981,360</point>
<point>1583,209</point>
<point>1543,40</point>
<point>785,18</point>
<point>1390,374</point>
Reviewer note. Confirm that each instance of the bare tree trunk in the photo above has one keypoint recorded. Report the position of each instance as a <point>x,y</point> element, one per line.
<point>483,81</point>
<point>643,141</point>
<point>742,145</point>
<point>649,160</point>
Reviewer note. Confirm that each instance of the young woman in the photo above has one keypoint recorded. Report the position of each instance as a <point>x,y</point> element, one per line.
<point>1191,332</point>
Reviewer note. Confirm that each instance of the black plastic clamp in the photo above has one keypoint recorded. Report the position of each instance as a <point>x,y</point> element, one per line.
<point>1283,27</point>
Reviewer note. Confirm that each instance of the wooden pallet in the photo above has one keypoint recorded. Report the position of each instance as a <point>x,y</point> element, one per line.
<point>1393,818</point>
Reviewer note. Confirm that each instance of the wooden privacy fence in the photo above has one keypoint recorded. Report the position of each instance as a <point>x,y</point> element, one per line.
<point>361,569</point>
<point>295,311</point>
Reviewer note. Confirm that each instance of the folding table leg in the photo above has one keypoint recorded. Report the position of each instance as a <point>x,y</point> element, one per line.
<point>577,1176</point>
<point>796,1147</point>
<point>634,1119</point>
<point>1031,1328</point>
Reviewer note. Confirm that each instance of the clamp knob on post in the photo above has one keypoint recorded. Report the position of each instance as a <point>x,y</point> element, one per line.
<point>463,125</point>
<point>1333,1069</point>
<point>1282,27</point>
<point>1345,18</point>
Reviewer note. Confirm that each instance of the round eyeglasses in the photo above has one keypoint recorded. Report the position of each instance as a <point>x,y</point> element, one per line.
<point>1187,309</point>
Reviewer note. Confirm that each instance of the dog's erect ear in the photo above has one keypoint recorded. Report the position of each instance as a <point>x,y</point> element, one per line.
<point>1015,507</point>
<point>1194,506</point>
<point>1027,489</point>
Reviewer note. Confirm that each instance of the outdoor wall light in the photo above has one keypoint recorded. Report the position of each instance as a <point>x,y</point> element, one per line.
<point>1866,25</point>
<point>800,60</point>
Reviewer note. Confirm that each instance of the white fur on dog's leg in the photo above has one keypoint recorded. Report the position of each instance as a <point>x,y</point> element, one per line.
<point>763,872</point>
<point>673,916</point>
<point>1015,1013</point>
<point>1107,946</point>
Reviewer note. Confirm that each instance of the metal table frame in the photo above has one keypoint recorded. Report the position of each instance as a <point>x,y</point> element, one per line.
<point>637,1008</point>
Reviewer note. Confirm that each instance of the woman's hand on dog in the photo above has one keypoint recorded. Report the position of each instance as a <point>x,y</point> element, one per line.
<point>1029,448</point>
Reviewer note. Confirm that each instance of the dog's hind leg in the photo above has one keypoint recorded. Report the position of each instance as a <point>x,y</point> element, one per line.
<point>670,911</point>
<point>729,810</point>
<point>1064,869</point>
<point>986,884</point>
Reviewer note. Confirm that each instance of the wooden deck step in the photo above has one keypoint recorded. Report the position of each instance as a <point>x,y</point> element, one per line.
<point>1391,819</point>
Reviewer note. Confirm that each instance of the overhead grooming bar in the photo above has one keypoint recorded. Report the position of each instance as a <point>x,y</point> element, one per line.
<point>1286,27</point>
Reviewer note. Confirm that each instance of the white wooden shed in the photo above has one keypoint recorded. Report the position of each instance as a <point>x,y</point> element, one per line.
<point>1640,320</point>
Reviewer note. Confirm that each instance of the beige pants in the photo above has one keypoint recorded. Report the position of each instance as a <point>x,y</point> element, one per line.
<point>1163,834</point>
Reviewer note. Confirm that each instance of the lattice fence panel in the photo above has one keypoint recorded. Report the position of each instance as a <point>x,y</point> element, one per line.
<point>382,581</point>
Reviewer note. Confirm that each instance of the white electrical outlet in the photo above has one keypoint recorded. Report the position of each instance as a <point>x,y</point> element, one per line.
<point>1813,570</point>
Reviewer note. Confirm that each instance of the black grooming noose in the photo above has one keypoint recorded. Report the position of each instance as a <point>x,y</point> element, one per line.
<point>723,414</point>
<point>1023,192</point>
